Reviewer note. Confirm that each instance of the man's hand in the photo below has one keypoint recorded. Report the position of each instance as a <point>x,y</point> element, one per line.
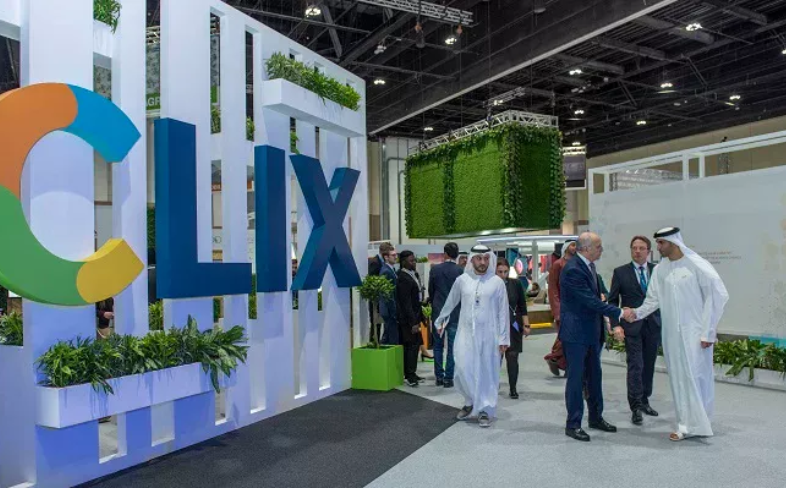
<point>705,344</point>
<point>109,315</point>
<point>619,334</point>
<point>629,314</point>
<point>527,330</point>
<point>416,329</point>
<point>502,349</point>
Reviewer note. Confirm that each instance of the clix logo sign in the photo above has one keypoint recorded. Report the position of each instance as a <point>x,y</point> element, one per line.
<point>30,270</point>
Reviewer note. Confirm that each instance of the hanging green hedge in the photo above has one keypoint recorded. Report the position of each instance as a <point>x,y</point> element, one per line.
<point>508,177</point>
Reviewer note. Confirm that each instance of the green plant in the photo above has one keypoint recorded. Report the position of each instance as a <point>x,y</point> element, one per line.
<point>216,309</point>
<point>293,138</point>
<point>373,289</point>
<point>155,312</point>
<point>423,259</point>
<point>107,11</point>
<point>11,329</point>
<point>426,311</point>
<point>151,228</point>
<point>250,128</point>
<point>310,78</point>
<point>252,298</point>
<point>84,361</point>
<point>518,168</point>
<point>215,119</point>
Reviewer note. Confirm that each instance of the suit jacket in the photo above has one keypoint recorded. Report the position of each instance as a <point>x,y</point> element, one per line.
<point>440,282</point>
<point>387,306</point>
<point>409,310</point>
<point>554,276</point>
<point>626,291</point>
<point>581,309</point>
<point>374,265</point>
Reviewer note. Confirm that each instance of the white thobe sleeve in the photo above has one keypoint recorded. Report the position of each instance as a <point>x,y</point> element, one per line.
<point>453,300</point>
<point>709,326</point>
<point>501,301</point>
<point>652,302</point>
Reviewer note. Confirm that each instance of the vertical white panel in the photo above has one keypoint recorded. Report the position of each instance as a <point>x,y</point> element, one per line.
<point>233,183</point>
<point>58,194</point>
<point>310,325</point>
<point>359,235</point>
<point>335,301</point>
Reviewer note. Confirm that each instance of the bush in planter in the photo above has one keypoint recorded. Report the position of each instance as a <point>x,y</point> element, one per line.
<point>11,329</point>
<point>373,289</point>
<point>751,354</point>
<point>83,361</point>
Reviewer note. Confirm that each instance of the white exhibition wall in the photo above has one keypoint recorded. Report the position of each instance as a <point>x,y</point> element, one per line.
<point>736,221</point>
<point>60,42</point>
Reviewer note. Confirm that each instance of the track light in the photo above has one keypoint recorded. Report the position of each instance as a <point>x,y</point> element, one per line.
<point>693,27</point>
<point>576,143</point>
<point>379,81</point>
<point>735,97</point>
<point>538,6</point>
<point>428,129</point>
<point>666,84</point>
<point>450,40</point>
<point>497,102</point>
<point>380,48</point>
<point>641,122</point>
<point>313,11</point>
<point>784,51</point>
<point>575,72</point>
<point>579,112</point>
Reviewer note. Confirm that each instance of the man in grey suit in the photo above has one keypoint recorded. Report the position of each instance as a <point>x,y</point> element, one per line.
<point>440,282</point>
<point>387,306</point>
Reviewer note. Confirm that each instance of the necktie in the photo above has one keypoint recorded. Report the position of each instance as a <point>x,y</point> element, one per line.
<point>643,279</point>
<point>594,273</point>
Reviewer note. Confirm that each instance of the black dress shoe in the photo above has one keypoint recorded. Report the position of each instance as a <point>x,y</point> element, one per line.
<point>514,394</point>
<point>440,382</point>
<point>636,418</point>
<point>448,383</point>
<point>646,409</point>
<point>602,425</point>
<point>578,434</point>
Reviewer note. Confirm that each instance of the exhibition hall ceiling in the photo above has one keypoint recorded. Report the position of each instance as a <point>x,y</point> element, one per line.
<point>618,73</point>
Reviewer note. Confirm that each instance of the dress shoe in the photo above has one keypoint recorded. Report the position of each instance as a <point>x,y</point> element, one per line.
<point>636,418</point>
<point>440,382</point>
<point>448,383</point>
<point>553,368</point>
<point>602,425</point>
<point>647,410</point>
<point>578,434</point>
<point>514,394</point>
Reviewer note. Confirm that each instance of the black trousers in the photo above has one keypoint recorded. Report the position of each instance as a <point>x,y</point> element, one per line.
<point>512,361</point>
<point>411,361</point>
<point>642,351</point>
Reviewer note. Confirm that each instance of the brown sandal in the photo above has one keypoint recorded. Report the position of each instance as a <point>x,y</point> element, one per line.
<point>676,436</point>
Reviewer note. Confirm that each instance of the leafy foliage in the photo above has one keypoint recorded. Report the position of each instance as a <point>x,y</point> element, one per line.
<point>107,11</point>
<point>215,123</point>
<point>427,311</point>
<point>151,228</point>
<point>375,287</point>
<point>293,138</point>
<point>252,298</point>
<point>310,78</point>
<point>216,309</point>
<point>12,330</point>
<point>83,361</point>
<point>155,312</point>
<point>519,165</point>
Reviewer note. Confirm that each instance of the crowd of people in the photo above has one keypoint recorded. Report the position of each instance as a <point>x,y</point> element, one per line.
<point>480,321</point>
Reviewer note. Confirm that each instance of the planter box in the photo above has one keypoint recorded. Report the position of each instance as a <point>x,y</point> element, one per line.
<point>377,369</point>
<point>65,407</point>
<point>290,99</point>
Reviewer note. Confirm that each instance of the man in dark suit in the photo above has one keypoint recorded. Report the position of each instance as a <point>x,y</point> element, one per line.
<point>374,267</point>
<point>440,282</point>
<point>642,338</point>
<point>387,306</point>
<point>409,312</point>
<point>582,333</point>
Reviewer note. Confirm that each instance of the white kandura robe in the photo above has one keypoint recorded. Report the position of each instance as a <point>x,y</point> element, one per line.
<point>482,328</point>
<point>688,310</point>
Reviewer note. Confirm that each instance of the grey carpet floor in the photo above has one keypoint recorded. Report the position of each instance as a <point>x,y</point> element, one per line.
<point>527,445</point>
<point>346,440</point>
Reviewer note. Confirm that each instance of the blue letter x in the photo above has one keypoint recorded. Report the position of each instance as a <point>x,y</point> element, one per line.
<point>328,242</point>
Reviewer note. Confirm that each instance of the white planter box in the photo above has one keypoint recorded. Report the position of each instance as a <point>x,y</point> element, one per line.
<point>290,99</point>
<point>103,39</point>
<point>65,407</point>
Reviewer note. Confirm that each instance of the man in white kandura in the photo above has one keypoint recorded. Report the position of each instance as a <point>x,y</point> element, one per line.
<point>483,334</point>
<point>690,295</point>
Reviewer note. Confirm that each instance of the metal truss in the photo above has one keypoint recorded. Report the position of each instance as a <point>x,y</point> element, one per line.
<point>427,9</point>
<point>511,116</point>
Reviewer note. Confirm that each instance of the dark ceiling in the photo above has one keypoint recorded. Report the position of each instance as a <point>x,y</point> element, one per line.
<point>738,51</point>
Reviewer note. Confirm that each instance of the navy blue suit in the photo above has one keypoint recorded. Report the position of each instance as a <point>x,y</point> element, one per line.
<point>582,333</point>
<point>387,309</point>
<point>440,281</point>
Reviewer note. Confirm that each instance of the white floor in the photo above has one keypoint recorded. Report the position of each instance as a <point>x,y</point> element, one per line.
<point>527,447</point>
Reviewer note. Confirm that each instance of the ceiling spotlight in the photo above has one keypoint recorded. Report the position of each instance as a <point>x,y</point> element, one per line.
<point>692,27</point>
<point>451,39</point>
<point>313,11</point>
<point>576,143</point>
<point>666,84</point>
<point>784,51</point>
<point>497,102</point>
<point>379,81</point>
<point>539,6</point>
<point>641,122</point>
<point>428,129</point>
<point>380,48</point>
<point>579,112</point>
<point>575,72</point>
<point>734,98</point>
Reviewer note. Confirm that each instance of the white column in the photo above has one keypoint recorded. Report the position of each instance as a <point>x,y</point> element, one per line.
<point>57,189</point>
<point>359,232</point>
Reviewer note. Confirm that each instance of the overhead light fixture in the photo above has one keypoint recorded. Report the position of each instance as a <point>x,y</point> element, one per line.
<point>380,48</point>
<point>641,122</point>
<point>692,27</point>
<point>379,81</point>
<point>575,72</point>
<point>576,143</point>
<point>313,11</point>
<point>734,97</point>
<point>579,112</point>
<point>497,102</point>
<point>450,40</point>
<point>538,6</point>
<point>428,129</point>
<point>666,85</point>
<point>784,51</point>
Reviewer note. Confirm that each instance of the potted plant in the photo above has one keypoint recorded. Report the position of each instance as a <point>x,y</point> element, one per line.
<point>375,366</point>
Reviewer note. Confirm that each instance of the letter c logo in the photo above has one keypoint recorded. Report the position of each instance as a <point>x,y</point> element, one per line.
<point>26,266</point>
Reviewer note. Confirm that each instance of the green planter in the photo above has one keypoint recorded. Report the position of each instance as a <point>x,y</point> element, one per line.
<point>377,369</point>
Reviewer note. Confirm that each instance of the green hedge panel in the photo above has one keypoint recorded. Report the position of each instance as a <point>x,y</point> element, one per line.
<point>427,200</point>
<point>477,179</point>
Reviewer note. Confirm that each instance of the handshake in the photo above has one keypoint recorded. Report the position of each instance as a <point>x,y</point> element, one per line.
<point>629,314</point>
